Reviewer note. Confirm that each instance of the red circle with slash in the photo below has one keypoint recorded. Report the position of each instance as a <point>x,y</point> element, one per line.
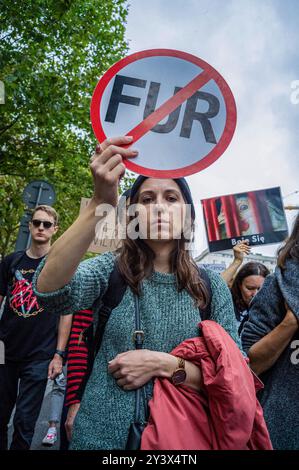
<point>208,73</point>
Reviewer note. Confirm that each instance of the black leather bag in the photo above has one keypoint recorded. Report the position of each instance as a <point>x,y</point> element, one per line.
<point>137,427</point>
<point>134,436</point>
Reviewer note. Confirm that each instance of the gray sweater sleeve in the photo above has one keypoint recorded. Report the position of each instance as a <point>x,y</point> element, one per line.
<point>89,281</point>
<point>266,312</point>
<point>222,308</point>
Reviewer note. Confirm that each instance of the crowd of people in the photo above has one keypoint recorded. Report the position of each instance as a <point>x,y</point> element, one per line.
<point>125,334</point>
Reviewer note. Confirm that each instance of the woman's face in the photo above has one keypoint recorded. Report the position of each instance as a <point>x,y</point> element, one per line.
<point>250,286</point>
<point>163,210</point>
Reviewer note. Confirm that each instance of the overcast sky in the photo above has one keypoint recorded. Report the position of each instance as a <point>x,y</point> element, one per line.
<point>254,44</point>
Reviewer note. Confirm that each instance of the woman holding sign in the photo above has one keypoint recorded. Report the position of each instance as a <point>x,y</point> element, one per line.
<point>164,292</point>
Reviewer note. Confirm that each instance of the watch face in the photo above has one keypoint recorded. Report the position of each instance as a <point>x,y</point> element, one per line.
<point>179,377</point>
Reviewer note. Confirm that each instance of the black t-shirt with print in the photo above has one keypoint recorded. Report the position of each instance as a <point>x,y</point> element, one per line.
<point>27,330</point>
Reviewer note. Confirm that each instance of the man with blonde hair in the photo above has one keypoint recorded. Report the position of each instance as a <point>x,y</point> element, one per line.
<point>29,334</point>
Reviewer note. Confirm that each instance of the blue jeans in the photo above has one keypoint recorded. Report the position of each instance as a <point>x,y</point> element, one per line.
<point>57,396</point>
<point>31,377</point>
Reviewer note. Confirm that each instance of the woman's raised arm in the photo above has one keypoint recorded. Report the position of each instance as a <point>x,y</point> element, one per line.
<point>107,168</point>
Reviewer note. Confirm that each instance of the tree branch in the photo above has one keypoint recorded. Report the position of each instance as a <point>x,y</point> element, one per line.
<point>6,35</point>
<point>4,129</point>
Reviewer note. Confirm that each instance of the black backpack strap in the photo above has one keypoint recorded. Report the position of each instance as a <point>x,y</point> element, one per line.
<point>102,308</point>
<point>18,255</point>
<point>205,313</point>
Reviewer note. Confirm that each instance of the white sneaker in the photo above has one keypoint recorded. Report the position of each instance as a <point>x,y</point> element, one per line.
<point>51,437</point>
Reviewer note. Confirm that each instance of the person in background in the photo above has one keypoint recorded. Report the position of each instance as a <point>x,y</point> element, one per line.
<point>29,334</point>
<point>56,402</point>
<point>247,283</point>
<point>239,250</point>
<point>77,366</point>
<point>271,338</point>
<point>57,393</point>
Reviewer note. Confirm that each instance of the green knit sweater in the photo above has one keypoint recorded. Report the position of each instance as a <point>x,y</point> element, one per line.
<point>168,317</point>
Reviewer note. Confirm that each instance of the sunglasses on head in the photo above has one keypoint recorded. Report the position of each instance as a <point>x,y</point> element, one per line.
<point>45,223</point>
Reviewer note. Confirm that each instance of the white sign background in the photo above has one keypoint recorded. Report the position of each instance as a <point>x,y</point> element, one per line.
<point>158,151</point>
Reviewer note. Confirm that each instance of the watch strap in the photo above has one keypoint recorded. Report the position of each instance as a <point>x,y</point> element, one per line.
<point>60,353</point>
<point>181,363</point>
<point>179,375</point>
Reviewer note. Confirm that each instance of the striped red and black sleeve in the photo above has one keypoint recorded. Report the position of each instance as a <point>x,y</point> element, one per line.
<point>77,355</point>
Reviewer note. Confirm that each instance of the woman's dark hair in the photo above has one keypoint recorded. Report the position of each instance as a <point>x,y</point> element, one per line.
<point>136,262</point>
<point>249,269</point>
<point>290,248</point>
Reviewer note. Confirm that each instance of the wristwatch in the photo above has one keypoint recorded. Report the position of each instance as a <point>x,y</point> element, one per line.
<point>60,353</point>
<point>179,375</point>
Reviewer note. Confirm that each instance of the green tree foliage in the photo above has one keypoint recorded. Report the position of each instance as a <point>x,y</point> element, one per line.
<point>52,54</point>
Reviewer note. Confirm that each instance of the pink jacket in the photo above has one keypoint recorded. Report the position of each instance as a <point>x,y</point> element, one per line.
<point>224,415</point>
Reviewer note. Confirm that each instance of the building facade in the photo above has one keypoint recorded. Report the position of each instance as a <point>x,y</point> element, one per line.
<point>220,260</point>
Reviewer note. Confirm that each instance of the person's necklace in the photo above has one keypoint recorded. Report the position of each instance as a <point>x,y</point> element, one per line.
<point>31,255</point>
